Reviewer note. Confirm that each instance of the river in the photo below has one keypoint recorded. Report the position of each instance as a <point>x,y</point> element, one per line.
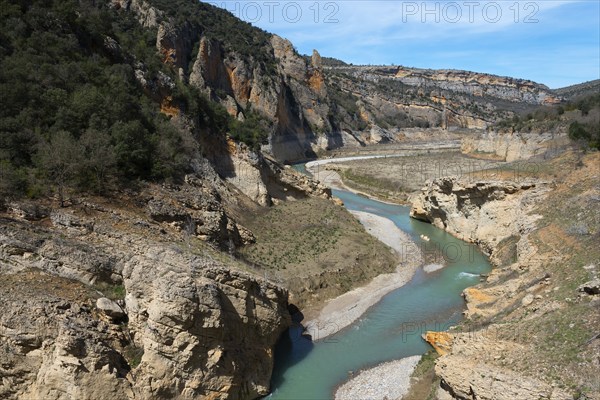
<point>392,328</point>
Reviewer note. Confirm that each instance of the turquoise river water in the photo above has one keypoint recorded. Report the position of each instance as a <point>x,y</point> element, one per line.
<point>391,329</point>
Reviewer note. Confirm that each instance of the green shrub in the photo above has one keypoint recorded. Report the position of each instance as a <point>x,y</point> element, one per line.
<point>588,134</point>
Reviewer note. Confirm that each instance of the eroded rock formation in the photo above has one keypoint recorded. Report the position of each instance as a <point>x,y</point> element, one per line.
<point>499,352</point>
<point>483,212</point>
<point>185,325</point>
<point>314,107</point>
<point>512,146</point>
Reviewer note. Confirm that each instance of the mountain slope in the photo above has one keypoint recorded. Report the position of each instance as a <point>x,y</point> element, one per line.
<point>573,92</point>
<point>311,107</point>
<point>123,192</point>
<point>136,139</point>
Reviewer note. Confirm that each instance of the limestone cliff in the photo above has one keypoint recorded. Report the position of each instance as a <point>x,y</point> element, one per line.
<point>312,107</point>
<point>275,81</point>
<point>483,212</point>
<point>512,146</point>
<point>189,322</point>
<point>529,330</point>
<point>479,84</point>
<point>400,96</point>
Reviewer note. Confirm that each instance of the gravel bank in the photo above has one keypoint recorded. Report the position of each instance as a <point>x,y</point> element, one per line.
<point>389,380</point>
<point>340,312</point>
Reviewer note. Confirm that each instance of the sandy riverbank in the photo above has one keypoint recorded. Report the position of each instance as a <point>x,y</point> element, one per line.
<point>390,380</point>
<point>333,180</point>
<point>341,311</point>
<point>329,178</point>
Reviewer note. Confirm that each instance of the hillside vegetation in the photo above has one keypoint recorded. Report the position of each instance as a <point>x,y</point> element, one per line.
<point>579,117</point>
<point>74,114</point>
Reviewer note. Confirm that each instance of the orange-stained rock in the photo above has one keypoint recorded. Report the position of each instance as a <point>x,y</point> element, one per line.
<point>441,341</point>
<point>167,107</point>
<point>473,295</point>
<point>231,146</point>
<point>316,81</point>
<point>338,201</point>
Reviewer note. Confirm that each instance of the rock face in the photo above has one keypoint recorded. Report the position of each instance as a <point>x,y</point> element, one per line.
<point>195,327</point>
<point>441,341</point>
<point>260,177</point>
<point>466,374</point>
<point>204,332</point>
<point>207,332</point>
<point>483,212</point>
<point>312,107</point>
<point>472,83</point>
<point>465,378</point>
<point>148,16</point>
<point>53,344</point>
<point>478,84</point>
<point>496,353</point>
<point>408,97</point>
<point>513,146</point>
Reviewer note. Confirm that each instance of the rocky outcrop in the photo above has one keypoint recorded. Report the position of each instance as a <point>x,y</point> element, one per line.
<point>195,330</point>
<point>472,83</point>
<point>185,325</point>
<point>175,44</point>
<point>482,212</point>
<point>53,343</point>
<point>195,210</point>
<point>385,102</point>
<point>147,15</point>
<point>409,97</point>
<point>466,367</point>
<point>514,145</point>
<point>440,341</point>
<point>261,177</point>
<point>246,170</point>
<point>286,184</point>
<point>499,351</point>
<point>465,377</point>
<point>302,106</point>
<point>311,108</point>
<point>206,331</point>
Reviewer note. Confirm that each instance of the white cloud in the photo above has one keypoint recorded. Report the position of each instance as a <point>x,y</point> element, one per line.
<point>470,34</point>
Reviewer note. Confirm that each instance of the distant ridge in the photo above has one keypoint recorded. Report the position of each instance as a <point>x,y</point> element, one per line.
<point>579,90</point>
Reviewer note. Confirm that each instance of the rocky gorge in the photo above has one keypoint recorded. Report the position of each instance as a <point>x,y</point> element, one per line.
<point>153,243</point>
<point>491,356</point>
<point>184,320</point>
<point>312,106</point>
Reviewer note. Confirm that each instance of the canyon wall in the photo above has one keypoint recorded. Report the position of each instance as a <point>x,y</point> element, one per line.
<point>520,321</point>
<point>482,212</point>
<point>312,107</point>
<point>513,146</point>
<point>187,321</point>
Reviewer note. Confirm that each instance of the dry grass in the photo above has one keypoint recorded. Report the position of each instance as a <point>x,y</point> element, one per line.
<point>394,178</point>
<point>553,339</point>
<point>315,248</point>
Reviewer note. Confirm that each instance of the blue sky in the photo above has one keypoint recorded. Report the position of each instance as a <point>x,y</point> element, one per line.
<point>556,43</point>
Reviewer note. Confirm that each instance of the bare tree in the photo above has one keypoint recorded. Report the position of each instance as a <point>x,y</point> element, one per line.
<point>60,158</point>
<point>100,156</point>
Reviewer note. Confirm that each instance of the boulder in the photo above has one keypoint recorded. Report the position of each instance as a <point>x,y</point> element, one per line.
<point>110,309</point>
<point>592,287</point>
